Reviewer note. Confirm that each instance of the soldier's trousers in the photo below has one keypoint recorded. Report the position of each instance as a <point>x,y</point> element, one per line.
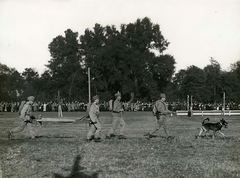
<point>22,126</point>
<point>162,121</point>
<point>60,114</point>
<point>117,120</point>
<point>94,130</point>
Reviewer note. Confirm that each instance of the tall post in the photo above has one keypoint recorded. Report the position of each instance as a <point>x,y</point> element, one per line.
<point>89,86</point>
<point>223,109</point>
<point>191,103</point>
<point>187,102</point>
<point>191,107</point>
<point>58,96</point>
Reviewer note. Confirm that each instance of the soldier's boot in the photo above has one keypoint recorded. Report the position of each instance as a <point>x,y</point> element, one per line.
<point>90,139</point>
<point>110,136</point>
<point>122,137</point>
<point>98,139</point>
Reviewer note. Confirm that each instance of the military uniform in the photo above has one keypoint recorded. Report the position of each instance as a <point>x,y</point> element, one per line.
<point>95,127</point>
<point>161,116</point>
<point>25,119</point>
<point>60,114</point>
<point>117,118</point>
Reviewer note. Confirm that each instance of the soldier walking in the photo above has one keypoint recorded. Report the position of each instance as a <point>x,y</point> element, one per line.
<point>160,110</point>
<point>117,112</point>
<point>95,125</point>
<point>25,119</point>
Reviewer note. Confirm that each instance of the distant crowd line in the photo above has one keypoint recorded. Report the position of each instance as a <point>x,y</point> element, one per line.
<point>104,106</point>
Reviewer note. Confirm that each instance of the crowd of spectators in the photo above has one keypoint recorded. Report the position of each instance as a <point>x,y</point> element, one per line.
<point>104,106</point>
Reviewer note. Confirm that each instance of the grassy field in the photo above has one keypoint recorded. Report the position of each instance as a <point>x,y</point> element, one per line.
<point>60,149</point>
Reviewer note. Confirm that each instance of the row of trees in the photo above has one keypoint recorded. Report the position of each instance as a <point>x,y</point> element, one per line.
<point>130,59</point>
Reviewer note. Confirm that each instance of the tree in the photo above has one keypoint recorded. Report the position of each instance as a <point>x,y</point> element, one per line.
<point>194,84</point>
<point>11,83</point>
<point>230,85</point>
<point>122,60</point>
<point>178,85</point>
<point>64,67</point>
<point>235,68</point>
<point>213,74</point>
<point>30,77</point>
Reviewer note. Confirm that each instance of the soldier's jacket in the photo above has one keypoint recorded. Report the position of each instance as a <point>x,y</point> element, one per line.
<point>161,107</point>
<point>26,112</point>
<point>117,106</point>
<point>94,112</point>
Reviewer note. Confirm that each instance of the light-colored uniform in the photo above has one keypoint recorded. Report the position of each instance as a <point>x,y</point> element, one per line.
<point>94,115</point>
<point>25,120</point>
<point>117,118</point>
<point>60,114</point>
<point>161,115</point>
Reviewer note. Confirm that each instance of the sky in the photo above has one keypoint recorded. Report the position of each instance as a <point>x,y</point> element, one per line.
<point>196,29</point>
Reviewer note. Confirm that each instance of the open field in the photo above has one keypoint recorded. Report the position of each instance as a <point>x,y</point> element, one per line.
<point>60,149</point>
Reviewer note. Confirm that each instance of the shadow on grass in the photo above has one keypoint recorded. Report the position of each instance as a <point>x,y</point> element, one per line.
<point>54,137</point>
<point>216,137</point>
<point>78,171</point>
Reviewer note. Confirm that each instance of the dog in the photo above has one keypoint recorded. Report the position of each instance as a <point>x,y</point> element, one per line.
<point>215,127</point>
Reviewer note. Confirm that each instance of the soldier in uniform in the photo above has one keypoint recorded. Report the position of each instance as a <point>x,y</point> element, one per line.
<point>160,110</point>
<point>95,125</point>
<point>60,113</point>
<point>25,117</point>
<point>117,112</point>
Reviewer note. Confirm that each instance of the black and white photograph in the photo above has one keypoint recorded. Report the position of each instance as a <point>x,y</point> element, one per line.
<point>119,88</point>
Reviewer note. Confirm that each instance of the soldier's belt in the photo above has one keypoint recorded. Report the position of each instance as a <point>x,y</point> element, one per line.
<point>116,111</point>
<point>159,113</point>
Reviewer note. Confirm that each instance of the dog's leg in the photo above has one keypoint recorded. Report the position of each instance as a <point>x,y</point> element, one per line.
<point>213,136</point>
<point>201,131</point>
<point>221,133</point>
<point>205,131</point>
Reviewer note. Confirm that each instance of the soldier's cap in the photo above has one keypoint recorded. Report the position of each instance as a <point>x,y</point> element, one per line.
<point>162,95</point>
<point>95,97</point>
<point>117,94</point>
<point>31,98</point>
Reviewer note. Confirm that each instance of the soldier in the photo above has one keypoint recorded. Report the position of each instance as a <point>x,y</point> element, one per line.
<point>117,112</point>
<point>160,110</point>
<point>25,117</point>
<point>60,113</point>
<point>95,125</point>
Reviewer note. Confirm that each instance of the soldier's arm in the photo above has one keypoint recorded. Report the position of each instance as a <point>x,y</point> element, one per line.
<point>23,111</point>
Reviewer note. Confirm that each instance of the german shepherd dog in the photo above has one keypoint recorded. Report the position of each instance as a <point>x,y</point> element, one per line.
<point>215,127</point>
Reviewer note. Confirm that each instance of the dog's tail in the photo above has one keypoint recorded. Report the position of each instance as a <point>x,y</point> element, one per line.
<point>203,122</point>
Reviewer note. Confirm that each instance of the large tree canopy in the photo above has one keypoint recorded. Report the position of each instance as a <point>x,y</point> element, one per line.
<point>128,59</point>
<point>125,60</point>
<point>122,60</point>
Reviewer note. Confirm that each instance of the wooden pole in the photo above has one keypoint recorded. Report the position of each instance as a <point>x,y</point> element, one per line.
<point>223,103</point>
<point>191,107</point>
<point>191,102</point>
<point>58,96</point>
